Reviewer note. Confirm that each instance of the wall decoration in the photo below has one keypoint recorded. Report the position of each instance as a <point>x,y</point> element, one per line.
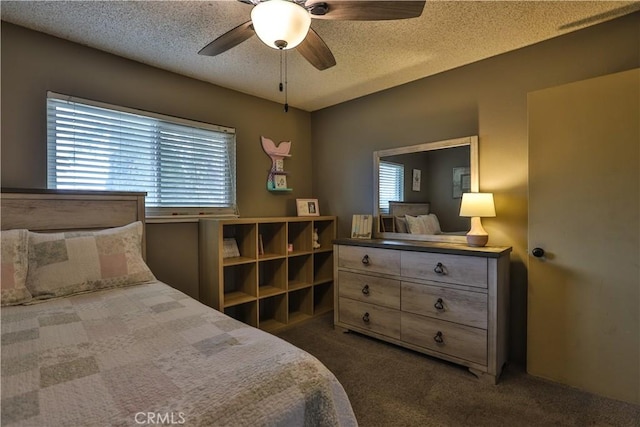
<point>461,181</point>
<point>361,226</point>
<point>277,177</point>
<point>417,173</point>
<point>307,207</point>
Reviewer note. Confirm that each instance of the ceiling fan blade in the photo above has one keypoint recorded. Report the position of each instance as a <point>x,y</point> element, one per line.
<point>228,40</point>
<point>373,10</point>
<point>316,51</point>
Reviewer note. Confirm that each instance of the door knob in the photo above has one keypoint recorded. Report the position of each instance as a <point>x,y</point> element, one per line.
<point>537,252</point>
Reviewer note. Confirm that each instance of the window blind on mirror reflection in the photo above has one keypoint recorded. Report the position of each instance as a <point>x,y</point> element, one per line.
<point>181,164</point>
<point>391,185</point>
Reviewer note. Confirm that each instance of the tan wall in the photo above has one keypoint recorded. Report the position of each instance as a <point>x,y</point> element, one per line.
<point>33,63</point>
<point>488,99</point>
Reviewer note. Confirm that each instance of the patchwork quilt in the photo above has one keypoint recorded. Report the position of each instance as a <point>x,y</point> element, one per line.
<point>150,355</point>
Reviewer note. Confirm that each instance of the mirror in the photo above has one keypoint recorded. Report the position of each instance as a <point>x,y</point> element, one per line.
<point>419,188</point>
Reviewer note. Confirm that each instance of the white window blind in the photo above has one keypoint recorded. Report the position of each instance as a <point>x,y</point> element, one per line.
<point>184,166</point>
<point>390,185</point>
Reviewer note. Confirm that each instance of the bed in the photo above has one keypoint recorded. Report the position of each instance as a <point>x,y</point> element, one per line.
<point>124,349</point>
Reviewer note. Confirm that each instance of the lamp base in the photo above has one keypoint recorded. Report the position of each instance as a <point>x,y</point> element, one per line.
<point>477,240</point>
<point>477,236</point>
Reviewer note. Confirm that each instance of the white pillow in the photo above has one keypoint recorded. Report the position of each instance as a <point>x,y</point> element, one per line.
<point>431,223</point>
<point>15,260</point>
<point>68,263</point>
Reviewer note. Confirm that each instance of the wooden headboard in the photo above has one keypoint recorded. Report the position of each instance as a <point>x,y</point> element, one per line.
<point>408,208</point>
<point>64,210</point>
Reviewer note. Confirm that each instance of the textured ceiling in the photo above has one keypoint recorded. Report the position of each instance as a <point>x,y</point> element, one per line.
<point>371,56</point>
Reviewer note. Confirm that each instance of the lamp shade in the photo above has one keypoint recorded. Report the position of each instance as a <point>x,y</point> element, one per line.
<point>280,24</point>
<point>477,204</point>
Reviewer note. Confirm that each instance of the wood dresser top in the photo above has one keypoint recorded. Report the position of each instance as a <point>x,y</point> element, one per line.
<point>420,246</point>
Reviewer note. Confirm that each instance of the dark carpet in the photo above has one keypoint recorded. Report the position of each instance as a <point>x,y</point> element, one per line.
<point>392,386</point>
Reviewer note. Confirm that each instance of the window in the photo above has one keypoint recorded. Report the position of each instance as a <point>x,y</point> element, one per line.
<point>391,185</point>
<point>184,166</point>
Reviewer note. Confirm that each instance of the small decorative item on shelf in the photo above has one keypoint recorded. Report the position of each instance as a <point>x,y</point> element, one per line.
<point>277,178</point>
<point>307,207</point>
<point>230,248</point>
<point>316,243</point>
<point>361,226</point>
<point>290,247</point>
<point>260,245</point>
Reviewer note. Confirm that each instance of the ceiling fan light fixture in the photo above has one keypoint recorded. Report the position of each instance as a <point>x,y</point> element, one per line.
<point>280,24</point>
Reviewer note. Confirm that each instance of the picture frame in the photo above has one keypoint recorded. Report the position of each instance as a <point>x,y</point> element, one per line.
<point>461,181</point>
<point>361,226</point>
<point>280,181</point>
<point>307,207</point>
<point>417,175</point>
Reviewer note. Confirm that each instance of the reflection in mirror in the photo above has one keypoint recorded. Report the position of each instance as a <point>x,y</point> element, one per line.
<point>418,189</point>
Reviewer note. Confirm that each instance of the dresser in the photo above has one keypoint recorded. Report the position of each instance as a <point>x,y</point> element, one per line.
<point>446,300</point>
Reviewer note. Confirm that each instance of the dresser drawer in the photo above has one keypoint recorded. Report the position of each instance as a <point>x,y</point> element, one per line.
<point>464,307</point>
<point>372,260</point>
<point>458,269</point>
<point>371,289</point>
<point>382,320</point>
<point>459,341</point>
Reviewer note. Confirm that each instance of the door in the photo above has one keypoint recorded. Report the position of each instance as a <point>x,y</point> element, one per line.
<point>584,195</point>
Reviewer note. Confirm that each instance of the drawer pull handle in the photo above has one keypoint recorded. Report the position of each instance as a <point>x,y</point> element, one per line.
<point>365,318</point>
<point>439,304</point>
<point>365,260</point>
<point>438,338</point>
<point>439,269</point>
<point>365,290</point>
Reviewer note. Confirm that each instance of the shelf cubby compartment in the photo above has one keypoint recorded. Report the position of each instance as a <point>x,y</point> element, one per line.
<point>246,313</point>
<point>240,284</point>
<point>323,298</point>
<point>300,305</point>
<point>272,277</point>
<point>322,267</point>
<point>274,239</point>
<point>246,237</point>
<point>326,234</point>
<point>300,274</point>
<point>273,312</point>
<point>300,235</point>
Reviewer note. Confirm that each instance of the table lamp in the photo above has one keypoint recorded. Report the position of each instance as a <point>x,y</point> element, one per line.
<point>477,205</point>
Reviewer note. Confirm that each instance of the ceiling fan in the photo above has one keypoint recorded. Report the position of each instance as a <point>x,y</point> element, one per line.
<point>285,24</point>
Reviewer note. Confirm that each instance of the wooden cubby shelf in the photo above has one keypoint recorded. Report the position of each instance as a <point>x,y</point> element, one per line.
<point>268,286</point>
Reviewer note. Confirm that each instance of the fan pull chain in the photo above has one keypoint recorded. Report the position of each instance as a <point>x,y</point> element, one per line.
<point>281,84</point>
<point>286,84</point>
<point>283,79</point>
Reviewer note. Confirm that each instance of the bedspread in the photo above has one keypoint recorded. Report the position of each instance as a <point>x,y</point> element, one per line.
<point>149,354</point>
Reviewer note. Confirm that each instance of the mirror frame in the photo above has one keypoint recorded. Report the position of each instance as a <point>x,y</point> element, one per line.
<point>470,141</point>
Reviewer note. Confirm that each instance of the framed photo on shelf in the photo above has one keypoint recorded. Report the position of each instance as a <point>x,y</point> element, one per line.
<point>361,226</point>
<point>280,181</point>
<point>307,207</point>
